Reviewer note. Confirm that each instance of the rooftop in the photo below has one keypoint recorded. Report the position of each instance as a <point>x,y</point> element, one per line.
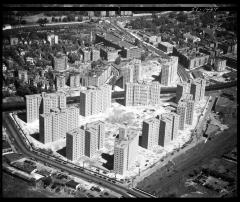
<point>131,134</point>
<point>13,157</point>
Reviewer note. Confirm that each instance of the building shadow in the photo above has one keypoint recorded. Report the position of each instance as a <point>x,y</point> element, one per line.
<point>120,101</point>
<point>23,116</point>
<point>36,136</point>
<point>62,152</point>
<point>156,78</point>
<point>173,99</point>
<point>119,82</point>
<point>109,158</point>
<point>140,141</point>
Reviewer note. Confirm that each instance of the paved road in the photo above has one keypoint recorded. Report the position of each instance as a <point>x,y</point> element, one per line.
<point>22,147</point>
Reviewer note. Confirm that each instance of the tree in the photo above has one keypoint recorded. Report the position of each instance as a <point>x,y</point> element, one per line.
<point>171,15</point>
<point>207,18</point>
<point>33,89</point>
<point>65,19</point>
<point>71,17</point>
<point>42,21</point>
<point>80,18</point>
<point>53,19</point>
<point>23,90</point>
<point>181,17</point>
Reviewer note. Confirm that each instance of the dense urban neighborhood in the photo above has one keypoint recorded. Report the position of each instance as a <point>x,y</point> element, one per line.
<point>119,104</point>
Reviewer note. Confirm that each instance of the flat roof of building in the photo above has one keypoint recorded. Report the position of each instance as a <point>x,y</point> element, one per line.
<point>131,135</point>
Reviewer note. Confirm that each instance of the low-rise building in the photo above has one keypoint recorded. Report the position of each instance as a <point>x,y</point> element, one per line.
<point>22,75</point>
<point>220,64</point>
<point>165,47</point>
<point>109,54</point>
<point>52,39</point>
<point>193,59</point>
<point>190,38</point>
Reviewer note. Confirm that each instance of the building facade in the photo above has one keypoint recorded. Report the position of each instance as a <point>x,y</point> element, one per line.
<point>150,133</point>
<point>55,124</point>
<point>75,144</point>
<point>52,39</point>
<point>182,88</point>
<point>125,150</point>
<point>142,93</point>
<point>169,71</point>
<point>165,47</point>
<point>60,63</point>
<point>198,89</point>
<point>95,100</point>
<point>75,81</point>
<point>42,103</point>
<point>60,82</point>
<point>22,75</point>
<point>85,140</point>
<point>219,64</point>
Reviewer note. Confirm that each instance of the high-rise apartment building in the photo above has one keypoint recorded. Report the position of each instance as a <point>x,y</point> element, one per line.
<point>99,126</point>
<point>182,88</point>
<point>59,124</point>
<point>185,109</point>
<point>198,89</point>
<point>60,62</point>
<point>45,128</point>
<point>125,150</point>
<point>131,72</point>
<point>75,144</point>
<point>142,93</point>
<point>188,98</point>
<point>175,123</point>
<point>55,124</point>
<point>181,111</point>
<point>75,81</point>
<point>60,82</point>
<point>50,101</point>
<point>169,70</point>
<point>95,100</point>
<point>137,70</point>
<point>91,140</point>
<point>150,133</point>
<point>159,130</point>
<point>95,55</point>
<point>165,131</point>
<point>33,106</point>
